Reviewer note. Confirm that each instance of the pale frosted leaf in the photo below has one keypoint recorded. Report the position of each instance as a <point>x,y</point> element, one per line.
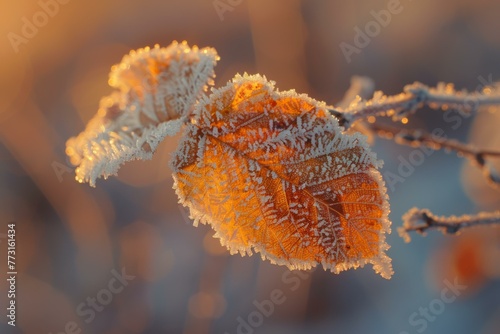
<point>272,172</point>
<point>157,89</point>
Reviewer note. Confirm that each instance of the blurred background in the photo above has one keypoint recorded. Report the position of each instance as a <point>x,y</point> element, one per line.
<point>73,240</point>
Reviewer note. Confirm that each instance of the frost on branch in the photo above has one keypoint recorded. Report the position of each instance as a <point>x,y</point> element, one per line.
<point>416,96</point>
<point>157,88</point>
<point>272,172</point>
<point>420,220</point>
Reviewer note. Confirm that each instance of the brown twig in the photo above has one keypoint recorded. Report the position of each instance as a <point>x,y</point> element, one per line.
<point>416,138</point>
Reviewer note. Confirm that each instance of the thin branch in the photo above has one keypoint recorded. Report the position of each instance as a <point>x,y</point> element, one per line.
<point>413,97</point>
<point>360,86</point>
<point>415,138</point>
<point>421,220</point>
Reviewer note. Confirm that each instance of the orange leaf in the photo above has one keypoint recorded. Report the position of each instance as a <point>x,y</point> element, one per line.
<point>273,172</point>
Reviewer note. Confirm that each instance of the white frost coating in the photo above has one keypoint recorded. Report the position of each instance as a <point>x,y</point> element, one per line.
<point>265,183</point>
<point>415,96</point>
<point>107,151</point>
<point>157,89</point>
<point>420,220</point>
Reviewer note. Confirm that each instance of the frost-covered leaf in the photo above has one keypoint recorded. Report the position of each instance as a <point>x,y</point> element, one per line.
<point>273,172</point>
<point>157,88</point>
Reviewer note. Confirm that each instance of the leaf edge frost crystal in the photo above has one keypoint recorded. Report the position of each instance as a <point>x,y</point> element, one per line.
<point>273,172</point>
